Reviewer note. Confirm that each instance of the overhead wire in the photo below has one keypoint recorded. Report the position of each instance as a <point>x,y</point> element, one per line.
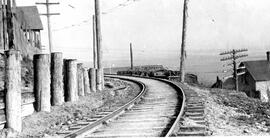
<point>111,10</point>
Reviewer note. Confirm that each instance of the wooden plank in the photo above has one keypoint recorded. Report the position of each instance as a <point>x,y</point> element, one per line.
<point>2,119</point>
<point>28,98</point>
<point>2,126</point>
<point>2,106</point>
<point>1,99</point>
<point>2,112</point>
<point>2,93</point>
<point>27,110</point>
<point>27,90</point>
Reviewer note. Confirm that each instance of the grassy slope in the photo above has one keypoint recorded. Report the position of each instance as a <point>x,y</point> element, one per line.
<point>233,113</point>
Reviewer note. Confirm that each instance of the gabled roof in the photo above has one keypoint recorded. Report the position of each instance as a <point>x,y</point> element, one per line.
<point>28,17</point>
<point>259,70</point>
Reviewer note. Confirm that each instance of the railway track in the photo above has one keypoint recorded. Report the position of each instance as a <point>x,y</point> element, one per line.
<point>154,112</point>
<point>193,121</point>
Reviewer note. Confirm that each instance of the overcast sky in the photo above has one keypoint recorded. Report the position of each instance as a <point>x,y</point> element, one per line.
<point>154,26</point>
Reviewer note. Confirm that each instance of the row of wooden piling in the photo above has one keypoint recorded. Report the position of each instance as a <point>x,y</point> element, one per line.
<point>56,80</point>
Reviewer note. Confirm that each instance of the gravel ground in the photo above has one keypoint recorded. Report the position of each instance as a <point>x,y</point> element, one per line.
<point>43,124</point>
<point>233,114</point>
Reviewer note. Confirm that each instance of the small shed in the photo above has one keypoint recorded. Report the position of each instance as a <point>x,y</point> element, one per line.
<point>256,80</point>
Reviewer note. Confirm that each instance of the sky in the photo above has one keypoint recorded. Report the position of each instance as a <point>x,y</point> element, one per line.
<point>154,28</point>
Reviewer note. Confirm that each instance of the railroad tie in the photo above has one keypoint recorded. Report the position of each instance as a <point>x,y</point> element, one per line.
<point>193,122</point>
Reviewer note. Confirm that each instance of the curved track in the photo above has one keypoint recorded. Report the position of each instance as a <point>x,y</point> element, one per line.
<point>156,114</point>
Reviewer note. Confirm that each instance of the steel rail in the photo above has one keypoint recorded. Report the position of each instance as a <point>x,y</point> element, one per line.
<point>183,104</point>
<point>120,110</point>
<point>173,127</point>
<point>117,112</point>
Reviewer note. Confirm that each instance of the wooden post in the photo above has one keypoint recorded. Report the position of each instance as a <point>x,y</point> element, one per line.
<point>131,57</point>
<point>10,28</point>
<point>94,43</point>
<point>13,89</point>
<point>49,26</point>
<point>1,26</point>
<point>71,80</point>
<point>57,89</point>
<point>235,76</point>
<point>86,81</point>
<point>39,41</point>
<point>5,25</point>
<point>42,82</point>
<point>80,79</point>
<point>183,45</point>
<point>92,77</point>
<point>65,79</point>
<point>99,79</point>
<point>100,76</point>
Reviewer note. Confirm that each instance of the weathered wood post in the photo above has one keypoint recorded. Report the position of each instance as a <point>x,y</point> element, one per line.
<point>183,45</point>
<point>99,74</point>
<point>71,80</point>
<point>94,43</point>
<point>131,57</point>
<point>13,89</point>
<point>80,79</point>
<point>57,89</point>
<point>99,79</point>
<point>86,81</point>
<point>92,77</point>
<point>42,82</point>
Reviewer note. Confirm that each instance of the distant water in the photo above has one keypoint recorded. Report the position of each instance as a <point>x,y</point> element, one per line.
<point>207,66</point>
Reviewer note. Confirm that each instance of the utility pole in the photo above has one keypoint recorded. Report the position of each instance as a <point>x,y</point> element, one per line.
<point>10,28</point>
<point>94,43</point>
<point>4,18</point>
<point>1,25</point>
<point>233,57</point>
<point>100,75</point>
<point>48,14</point>
<point>131,56</point>
<point>183,45</point>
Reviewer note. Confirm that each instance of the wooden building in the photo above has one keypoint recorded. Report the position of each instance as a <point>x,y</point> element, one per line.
<point>30,23</point>
<point>256,80</point>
